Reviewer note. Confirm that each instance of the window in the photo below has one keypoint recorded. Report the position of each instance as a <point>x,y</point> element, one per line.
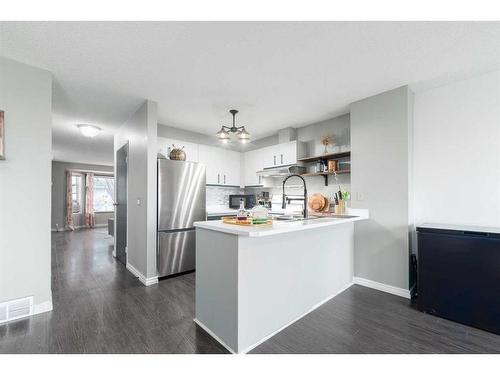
<point>104,188</point>
<point>76,192</point>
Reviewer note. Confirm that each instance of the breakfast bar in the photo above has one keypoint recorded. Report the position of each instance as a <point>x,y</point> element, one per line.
<point>251,282</point>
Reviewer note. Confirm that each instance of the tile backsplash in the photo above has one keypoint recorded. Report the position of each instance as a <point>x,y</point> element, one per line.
<point>218,196</point>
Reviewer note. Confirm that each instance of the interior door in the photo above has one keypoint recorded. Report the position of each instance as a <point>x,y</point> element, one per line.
<point>121,204</point>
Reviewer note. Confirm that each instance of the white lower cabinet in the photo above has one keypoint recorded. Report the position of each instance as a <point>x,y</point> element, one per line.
<point>223,166</point>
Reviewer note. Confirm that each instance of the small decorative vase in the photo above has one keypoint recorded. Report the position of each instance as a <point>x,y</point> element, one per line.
<point>177,154</point>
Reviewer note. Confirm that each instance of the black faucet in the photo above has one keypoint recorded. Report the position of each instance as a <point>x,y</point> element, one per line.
<point>285,198</point>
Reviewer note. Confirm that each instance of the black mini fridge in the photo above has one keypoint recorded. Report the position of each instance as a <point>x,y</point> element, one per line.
<point>459,274</point>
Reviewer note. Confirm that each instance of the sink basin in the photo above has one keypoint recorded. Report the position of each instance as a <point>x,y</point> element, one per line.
<point>295,218</point>
<point>343,216</point>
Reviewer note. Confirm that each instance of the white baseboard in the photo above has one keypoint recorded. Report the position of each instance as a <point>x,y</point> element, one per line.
<point>143,279</point>
<point>43,307</point>
<point>382,287</point>
<point>204,327</point>
<point>246,350</point>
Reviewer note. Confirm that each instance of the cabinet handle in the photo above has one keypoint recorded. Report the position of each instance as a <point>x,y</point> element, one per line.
<point>260,178</point>
<point>274,159</point>
<point>218,178</point>
<point>281,158</point>
<point>224,179</point>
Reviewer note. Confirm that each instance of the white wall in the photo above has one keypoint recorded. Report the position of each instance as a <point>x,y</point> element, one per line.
<point>457,153</point>
<point>25,175</point>
<point>380,182</point>
<point>140,132</point>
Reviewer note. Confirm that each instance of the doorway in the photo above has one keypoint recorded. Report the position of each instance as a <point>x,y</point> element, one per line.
<point>121,204</point>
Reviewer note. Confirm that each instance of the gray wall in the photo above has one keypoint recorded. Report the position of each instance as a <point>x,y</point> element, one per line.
<point>381,142</point>
<point>140,131</point>
<point>59,194</point>
<point>338,127</point>
<point>25,269</point>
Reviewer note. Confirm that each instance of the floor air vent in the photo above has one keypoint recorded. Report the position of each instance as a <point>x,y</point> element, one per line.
<point>15,309</point>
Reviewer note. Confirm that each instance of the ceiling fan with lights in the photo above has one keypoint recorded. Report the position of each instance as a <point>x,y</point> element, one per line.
<point>225,133</point>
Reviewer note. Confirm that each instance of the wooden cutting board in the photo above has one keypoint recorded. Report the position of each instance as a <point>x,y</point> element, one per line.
<point>317,202</point>
<point>247,222</point>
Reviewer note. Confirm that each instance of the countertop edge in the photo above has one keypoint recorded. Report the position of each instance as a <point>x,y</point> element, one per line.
<point>283,227</point>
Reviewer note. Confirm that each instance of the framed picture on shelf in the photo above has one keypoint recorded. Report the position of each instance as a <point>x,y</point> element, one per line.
<point>2,136</point>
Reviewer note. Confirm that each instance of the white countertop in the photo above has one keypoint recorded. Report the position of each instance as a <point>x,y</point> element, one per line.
<point>280,226</point>
<point>221,211</point>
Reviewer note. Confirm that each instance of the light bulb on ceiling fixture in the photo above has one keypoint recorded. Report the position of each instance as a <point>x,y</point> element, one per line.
<point>89,130</point>
<point>243,134</point>
<point>222,134</point>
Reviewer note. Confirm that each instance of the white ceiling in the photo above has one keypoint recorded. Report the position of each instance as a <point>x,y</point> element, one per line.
<point>277,74</point>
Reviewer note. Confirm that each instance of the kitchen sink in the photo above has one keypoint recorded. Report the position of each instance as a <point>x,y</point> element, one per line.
<point>295,218</point>
<point>343,216</point>
<point>311,217</point>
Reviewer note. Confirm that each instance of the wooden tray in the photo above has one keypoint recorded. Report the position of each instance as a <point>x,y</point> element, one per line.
<point>247,222</point>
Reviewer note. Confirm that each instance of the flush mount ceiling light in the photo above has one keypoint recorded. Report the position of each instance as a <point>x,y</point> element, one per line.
<point>224,134</point>
<point>89,130</point>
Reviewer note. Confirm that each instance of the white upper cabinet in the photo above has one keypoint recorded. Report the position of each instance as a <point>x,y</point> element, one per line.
<point>231,168</point>
<point>211,158</point>
<point>223,166</point>
<point>269,157</point>
<point>165,145</point>
<point>252,162</point>
<point>283,154</point>
<point>289,152</point>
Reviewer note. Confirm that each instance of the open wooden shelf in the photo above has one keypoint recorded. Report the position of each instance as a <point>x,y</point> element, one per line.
<point>326,173</point>
<point>338,155</point>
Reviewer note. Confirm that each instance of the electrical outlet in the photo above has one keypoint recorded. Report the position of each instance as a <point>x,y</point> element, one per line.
<point>138,201</point>
<point>360,196</point>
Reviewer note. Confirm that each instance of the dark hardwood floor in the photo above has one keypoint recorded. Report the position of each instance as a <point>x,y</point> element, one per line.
<point>99,307</point>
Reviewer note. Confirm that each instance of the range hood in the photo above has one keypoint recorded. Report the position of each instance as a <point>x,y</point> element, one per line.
<point>282,170</point>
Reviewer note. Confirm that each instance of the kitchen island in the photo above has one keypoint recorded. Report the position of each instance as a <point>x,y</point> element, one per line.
<point>251,282</point>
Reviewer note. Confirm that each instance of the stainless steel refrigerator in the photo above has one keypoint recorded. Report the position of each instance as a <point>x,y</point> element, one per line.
<point>181,202</point>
